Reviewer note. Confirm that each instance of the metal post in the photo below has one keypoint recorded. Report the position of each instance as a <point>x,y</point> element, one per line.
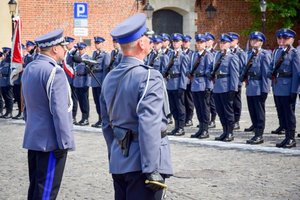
<point>263,22</point>
<point>12,27</point>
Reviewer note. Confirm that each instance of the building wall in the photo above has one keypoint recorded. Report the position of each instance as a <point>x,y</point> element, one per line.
<point>40,16</point>
<point>5,25</point>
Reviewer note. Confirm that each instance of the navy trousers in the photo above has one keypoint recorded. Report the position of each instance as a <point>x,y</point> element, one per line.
<point>75,101</point>
<point>286,112</point>
<point>7,93</point>
<point>213,110</point>
<point>17,95</point>
<point>202,106</point>
<point>256,107</point>
<point>189,103</point>
<point>237,105</point>
<point>83,99</point>
<point>277,109</point>
<point>45,174</point>
<point>224,108</point>
<point>131,186</point>
<point>96,96</point>
<point>1,101</point>
<point>177,107</point>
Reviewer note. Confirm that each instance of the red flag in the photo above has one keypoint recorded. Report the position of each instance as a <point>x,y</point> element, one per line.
<point>17,55</point>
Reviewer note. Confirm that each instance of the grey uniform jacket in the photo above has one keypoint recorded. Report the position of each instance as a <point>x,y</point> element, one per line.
<point>139,108</point>
<point>48,106</point>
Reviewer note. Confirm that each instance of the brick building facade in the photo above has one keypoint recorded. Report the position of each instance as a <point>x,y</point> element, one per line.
<point>40,16</point>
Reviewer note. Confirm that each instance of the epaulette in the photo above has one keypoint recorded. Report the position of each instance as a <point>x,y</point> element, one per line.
<point>52,64</point>
<point>146,66</point>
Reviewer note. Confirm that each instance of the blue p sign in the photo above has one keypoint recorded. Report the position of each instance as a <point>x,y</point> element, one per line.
<point>80,10</point>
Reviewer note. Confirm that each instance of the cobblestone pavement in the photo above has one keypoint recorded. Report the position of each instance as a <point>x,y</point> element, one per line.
<point>201,171</point>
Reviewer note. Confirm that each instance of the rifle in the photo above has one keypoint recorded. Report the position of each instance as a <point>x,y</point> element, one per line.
<point>112,59</point>
<point>170,65</point>
<point>248,66</point>
<point>195,66</point>
<point>279,62</point>
<point>216,67</point>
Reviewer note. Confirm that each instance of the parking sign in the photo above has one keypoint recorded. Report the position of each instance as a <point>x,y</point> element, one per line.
<point>80,10</point>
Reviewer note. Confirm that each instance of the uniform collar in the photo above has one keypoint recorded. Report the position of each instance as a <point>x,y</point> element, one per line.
<point>46,57</point>
<point>132,60</point>
<point>200,52</point>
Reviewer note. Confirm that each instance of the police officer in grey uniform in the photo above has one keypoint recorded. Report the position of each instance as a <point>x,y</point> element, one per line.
<point>81,83</point>
<point>210,48</point>
<point>100,70</point>
<point>175,73</point>
<point>224,72</point>
<point>237,103</point>
<point>115,55</point>
<point>6,87</point>
<point>200,86</point>
<point>285,83</point>
<point>48,105</point>
<point>189,102</point>
<point>255,70</point>
<point>134,120</point>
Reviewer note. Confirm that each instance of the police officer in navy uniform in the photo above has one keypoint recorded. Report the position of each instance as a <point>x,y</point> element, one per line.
<point>200,86</point>
<point>30,47</point>
<point>213,112</point>
<point>48,105</point>
<point>286,83</point>
<point>189,103</point>
<point>115,55</point>
<point>175,73</point>
<point>100,70</point>
<point>132,107</point>
<point>237,103</point>
<point>81,83</point>
<point>6,87</point>
<point>224,72</point>
<point>160,60</point>
<point>255,70</point>
<point>70,72</point>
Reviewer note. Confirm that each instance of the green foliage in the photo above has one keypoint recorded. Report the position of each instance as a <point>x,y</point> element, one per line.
<point>280,13</point>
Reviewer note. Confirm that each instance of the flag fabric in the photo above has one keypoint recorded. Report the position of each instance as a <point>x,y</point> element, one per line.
<point>67,68</point>
<point>16,55</point>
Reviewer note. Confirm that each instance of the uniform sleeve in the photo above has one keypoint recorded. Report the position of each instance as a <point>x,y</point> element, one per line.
<point>150,113</point>
<point>183,68</point>
<point>234,73</point>
<point>59,104</point>
<point>105,64</point>
<point>208,60</point>
<point>295,72</point>
<point>265,63</point>
<point>106,128</point>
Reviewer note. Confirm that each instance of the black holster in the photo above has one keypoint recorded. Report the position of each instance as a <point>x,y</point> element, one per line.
<point>124,138</point>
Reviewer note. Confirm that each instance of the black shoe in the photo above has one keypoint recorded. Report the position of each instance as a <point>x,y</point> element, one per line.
<point>83,122</point>
<point>290,143</point>
<point>170,121</point>
<point>1,115</point>
<point>7,116</point>
<point>236,126</point>
<point>278,131</point>
<point>298,135</point>
<point>195,135</point>
<point>173,131</point>
<point>18,116</point>
<point>255,140</point>
<point>203,135</point>
<point>250,129</point>
<point>97,124</point>
<point>179,132</point>
<point>189,123</point>
<point>198,125</point>
<point>281,144</point>
<point>221,137</point>
<point>229,137</point>
<point>212,124</point>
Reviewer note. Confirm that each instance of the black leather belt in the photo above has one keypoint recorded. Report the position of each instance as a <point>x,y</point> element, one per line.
<point>254,77</point>
<point>81,74</point>
<point>285,75</point>
<point>222,76</point>
<point>199,75</point>
<point>174,75</point>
